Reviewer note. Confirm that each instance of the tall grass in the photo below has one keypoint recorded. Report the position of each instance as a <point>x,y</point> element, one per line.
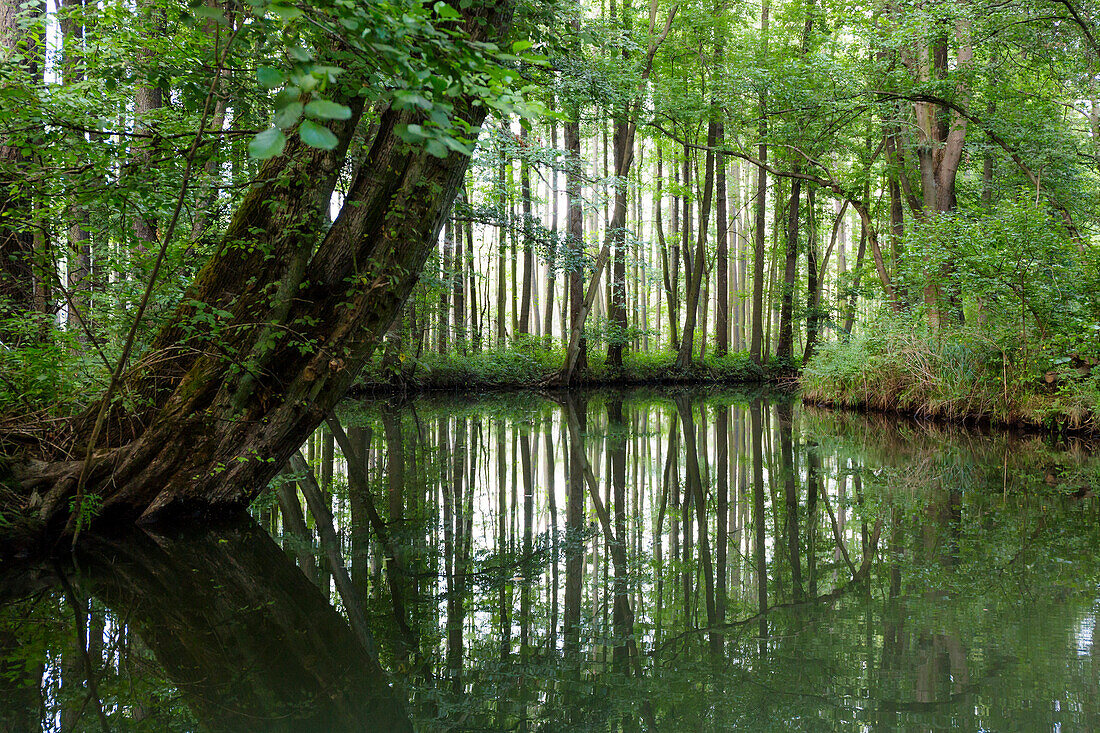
<point>960,375</point>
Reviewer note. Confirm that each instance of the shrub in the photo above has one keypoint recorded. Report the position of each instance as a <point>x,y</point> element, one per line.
<point>965,373</point>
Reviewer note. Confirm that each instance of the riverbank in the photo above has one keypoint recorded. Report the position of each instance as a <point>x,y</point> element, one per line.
<point>528,365</point>
<point>957,378</point>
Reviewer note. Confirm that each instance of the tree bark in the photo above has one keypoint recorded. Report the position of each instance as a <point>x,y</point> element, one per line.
<point>940,146</point>
<point>79,255</point>
<point>447,273</point>
<point>574,235</point>
<point>212,431</point>
<point>813,278</point>
<point>695,281</point>
<point>756,346</point>
<point>552,263</point>
<point>528,252</point>
<point>617,312</point>
<point>722,312</point>
<point>18,277</point>
<point>785,342</point>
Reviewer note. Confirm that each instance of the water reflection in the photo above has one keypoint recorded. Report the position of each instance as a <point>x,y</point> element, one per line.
<point>638,561</point>
<point>219,620</point>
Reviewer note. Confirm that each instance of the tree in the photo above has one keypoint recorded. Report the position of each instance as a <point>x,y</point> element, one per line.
<point>294,307</point>
<point>22,53</point>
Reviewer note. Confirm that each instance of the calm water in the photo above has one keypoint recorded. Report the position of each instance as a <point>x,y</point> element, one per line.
<point>613,561</point>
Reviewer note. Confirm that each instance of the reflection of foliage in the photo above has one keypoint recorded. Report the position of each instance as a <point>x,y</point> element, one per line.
<point>963,555</point>
<point>974,611</point>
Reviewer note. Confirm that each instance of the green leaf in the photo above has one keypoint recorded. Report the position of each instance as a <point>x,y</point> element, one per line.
<point>445,11</point>
<point>404,100</point>
<point>270,77</point>
<point>209,13</point>
<point>323,109</point>
<point>267,144</point>
<point>458,146</point>
<point>299,54</point>
<point>411,133</point>
<point>521,46</point>
<point>289,115</point>
<point>287,96</point>
<point>317,136</point>
<point>308,82</point>
<point>286,13</point>
<point>436,148</point>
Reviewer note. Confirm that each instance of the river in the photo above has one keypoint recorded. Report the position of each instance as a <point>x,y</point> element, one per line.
<point>642,560</point>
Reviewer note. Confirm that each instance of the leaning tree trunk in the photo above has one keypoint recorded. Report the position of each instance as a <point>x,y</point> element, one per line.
<point>299,313</point>
<point>229,616</point>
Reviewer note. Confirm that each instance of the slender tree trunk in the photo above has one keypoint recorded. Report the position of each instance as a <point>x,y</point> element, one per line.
<point>513,258</point>
<point>147,99</point>
<point>575,237</point>
<point>700,260</point>
<point>79,256</point>
<point>849,320</point>
<point>475,317</point>
<point>677,244</point>
<point>785,343</point>
<point>813,279</point>
<point>617,312</point>
<point>738,310</point>
<point>458,288</point>
<point>686,218</point>
<point>669,274</point>
<point>449,281</point>
<point>756,347</point>
<point>502,251</point>
<point>552,262</point>
<point>722,285</point>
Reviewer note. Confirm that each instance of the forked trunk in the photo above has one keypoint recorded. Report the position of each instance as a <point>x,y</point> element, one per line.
<point>297,314</point>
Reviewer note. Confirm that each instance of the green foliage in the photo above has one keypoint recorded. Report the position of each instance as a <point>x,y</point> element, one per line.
<point>37,374</point>
<point>525,363</point>
<point>896,364</point>
<point>1013,266</point>
<point>409,55</point>
<point>1019,332</point>
<point>528,363</point>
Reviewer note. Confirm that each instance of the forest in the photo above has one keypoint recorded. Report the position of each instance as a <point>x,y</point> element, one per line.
<point>549,365</point>
<point>653,191</point>
<point>214,214</point>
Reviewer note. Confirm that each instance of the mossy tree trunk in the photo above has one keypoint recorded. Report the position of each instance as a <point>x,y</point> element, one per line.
<point>273,330</point>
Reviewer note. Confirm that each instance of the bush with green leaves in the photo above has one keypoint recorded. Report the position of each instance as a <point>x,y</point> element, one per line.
<point>1019,340</point>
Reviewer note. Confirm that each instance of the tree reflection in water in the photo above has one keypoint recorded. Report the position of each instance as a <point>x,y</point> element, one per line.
<point>636,561</point>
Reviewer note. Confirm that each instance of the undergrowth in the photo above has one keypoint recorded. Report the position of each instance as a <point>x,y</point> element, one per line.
<point>528,363</point>
<point>962,373</point>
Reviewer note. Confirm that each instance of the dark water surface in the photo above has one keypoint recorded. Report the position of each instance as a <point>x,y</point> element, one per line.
<point>610,561</point>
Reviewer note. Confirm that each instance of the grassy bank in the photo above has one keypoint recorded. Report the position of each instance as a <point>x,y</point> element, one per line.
<point>528,364</point>
<point>963,374</point>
